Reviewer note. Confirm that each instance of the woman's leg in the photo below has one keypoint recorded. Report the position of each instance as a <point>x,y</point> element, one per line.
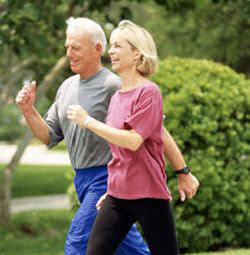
<point>111,226</point>
<point>157,222</point>
<point>133,244</point>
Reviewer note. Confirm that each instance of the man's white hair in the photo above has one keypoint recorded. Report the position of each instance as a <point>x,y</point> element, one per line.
<point>84,25</point>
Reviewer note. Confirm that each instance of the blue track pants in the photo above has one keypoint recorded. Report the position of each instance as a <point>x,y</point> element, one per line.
<point>90,185</point>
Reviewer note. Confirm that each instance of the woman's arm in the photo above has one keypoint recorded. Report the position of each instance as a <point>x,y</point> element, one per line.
<point>172,151</point>
<point>128,139</point>
<point>187,183</point>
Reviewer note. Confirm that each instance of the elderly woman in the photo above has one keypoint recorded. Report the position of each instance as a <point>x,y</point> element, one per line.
<point>137,190</point>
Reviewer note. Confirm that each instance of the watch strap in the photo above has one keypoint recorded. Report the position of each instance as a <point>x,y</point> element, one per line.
<point>184,170</point>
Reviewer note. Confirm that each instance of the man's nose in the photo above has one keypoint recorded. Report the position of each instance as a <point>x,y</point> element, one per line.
<point>69,52</point>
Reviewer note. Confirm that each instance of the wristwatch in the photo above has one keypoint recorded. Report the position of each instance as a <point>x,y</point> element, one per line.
<point>184,170</point>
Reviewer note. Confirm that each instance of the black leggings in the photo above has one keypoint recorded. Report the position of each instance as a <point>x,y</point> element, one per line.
<point>117,216</point>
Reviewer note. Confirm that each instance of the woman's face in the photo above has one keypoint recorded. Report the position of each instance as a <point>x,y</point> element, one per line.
<point>123,56</point>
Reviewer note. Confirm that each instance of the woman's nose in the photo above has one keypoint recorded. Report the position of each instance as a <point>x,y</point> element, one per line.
<point>110,51</point>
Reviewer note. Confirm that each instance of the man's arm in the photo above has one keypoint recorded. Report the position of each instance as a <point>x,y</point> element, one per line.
<point>25,101</point>
<point>37,125</point>
<point>187,183</point>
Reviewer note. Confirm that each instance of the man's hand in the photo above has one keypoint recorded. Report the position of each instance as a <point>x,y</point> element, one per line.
<point>101,201</point>
<point>26,97</point>
<point>187,185</point>
<point>77,114</point>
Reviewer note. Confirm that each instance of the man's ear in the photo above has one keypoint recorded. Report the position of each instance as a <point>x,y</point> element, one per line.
<point>98,48</point>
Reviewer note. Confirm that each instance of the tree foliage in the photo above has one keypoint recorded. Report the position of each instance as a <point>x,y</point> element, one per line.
<point>215,30</point>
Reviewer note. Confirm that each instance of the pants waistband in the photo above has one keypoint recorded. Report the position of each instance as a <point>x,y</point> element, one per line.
<point>92,169</point>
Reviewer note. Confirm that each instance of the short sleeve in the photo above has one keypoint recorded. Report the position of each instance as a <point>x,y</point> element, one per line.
<point>146,113</point>
<point>55,131</point>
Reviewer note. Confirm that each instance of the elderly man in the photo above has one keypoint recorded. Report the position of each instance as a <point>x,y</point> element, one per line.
<point>92,86</point>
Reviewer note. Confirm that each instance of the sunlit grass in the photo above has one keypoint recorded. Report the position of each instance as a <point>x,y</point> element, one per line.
<point>36,180</point>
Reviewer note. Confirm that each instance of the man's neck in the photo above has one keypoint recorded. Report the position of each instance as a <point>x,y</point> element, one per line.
<point>87,74</point>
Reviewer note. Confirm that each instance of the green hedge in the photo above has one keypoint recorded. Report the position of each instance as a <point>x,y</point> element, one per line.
<point>207,107</point>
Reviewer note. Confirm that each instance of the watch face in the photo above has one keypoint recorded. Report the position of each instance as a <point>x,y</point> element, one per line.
<point>185,170</point>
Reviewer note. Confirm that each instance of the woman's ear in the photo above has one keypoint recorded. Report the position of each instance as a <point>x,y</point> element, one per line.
<point>137,55</point>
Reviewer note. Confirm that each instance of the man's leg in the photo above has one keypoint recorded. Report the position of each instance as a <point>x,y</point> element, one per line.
<point>77,239</point>
<point>90,185</point>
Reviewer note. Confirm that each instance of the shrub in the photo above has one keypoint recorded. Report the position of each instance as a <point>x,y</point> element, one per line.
<point>207,107</point>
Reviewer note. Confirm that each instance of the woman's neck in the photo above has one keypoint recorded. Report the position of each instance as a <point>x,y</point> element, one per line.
<point>131,81</point>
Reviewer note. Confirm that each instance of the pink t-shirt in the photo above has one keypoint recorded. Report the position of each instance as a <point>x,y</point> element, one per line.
<point>141,173</point>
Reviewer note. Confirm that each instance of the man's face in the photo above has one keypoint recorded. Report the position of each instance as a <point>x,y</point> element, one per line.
<point>79,51</point>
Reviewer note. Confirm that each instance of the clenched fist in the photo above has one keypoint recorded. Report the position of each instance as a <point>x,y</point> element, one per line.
<point>77,114</point>
<point>26,97</point>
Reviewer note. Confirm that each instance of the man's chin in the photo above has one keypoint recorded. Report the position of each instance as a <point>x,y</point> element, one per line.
<point>74,69</point>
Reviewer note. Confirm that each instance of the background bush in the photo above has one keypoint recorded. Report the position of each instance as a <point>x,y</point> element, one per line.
<point>12,123</point>
<point>10,120</point>
<point>207,107</point>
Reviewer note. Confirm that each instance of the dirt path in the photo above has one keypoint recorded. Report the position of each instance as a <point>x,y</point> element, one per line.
<point>35,155</point>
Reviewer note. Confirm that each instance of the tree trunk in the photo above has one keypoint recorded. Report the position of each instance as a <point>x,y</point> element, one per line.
<point>5,193</point>
<point>5,184</point>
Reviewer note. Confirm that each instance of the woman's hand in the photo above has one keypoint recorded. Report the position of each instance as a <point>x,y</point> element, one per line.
<point>77,114</point>
<point>101,201</point>
<point>187,186</point>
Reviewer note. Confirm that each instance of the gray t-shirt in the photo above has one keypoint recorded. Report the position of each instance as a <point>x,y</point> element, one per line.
<point>86,149</point>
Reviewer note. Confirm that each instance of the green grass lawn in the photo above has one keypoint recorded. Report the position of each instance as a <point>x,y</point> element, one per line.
<point>229,252</point>
<point>36,180</point>
<point>36,233</point>
<point>44,232</point>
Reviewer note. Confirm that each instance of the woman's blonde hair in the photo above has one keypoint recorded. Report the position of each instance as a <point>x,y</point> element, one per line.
<point>140,39</point>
